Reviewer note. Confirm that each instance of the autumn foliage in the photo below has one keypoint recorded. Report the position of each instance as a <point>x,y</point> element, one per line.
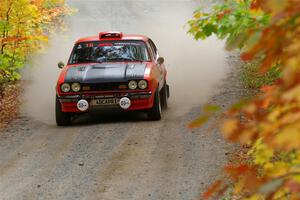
<point>25,26</point>
<point>270,121</point>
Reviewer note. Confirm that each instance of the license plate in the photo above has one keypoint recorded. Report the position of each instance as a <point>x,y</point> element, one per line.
<point>104,102</point>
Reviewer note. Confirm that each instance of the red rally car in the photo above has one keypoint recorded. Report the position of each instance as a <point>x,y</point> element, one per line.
<point>114,71</point>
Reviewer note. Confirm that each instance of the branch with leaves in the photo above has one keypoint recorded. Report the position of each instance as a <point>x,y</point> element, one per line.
<point>25,26</point>
<point>267,30</point>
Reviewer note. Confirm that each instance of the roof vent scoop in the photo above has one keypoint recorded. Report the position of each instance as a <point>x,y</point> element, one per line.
<point>110,35</point>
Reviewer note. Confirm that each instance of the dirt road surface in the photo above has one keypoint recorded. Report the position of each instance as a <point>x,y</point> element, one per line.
<point>122,156</point>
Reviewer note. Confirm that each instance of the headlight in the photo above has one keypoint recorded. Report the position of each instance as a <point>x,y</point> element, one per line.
<point>132,85</point>
<point>65,87</point>
<point>143,84</point>
<point>76,87</point>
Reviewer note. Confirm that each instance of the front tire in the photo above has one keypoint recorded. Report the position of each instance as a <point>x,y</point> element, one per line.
<point>164,95</point>
<point>62,119</point>
<point>155,112</point>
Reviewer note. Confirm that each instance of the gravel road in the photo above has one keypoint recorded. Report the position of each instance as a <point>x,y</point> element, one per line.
<point>122,156</point>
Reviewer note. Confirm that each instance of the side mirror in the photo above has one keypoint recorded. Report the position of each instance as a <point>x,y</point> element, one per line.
<point>160,60</point>
<point>61,65</point>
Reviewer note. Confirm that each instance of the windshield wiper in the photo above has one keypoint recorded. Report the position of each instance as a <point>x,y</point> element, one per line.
<point>118,59</point>
<point>122,59</point>
<point>85,61</point>
<point>139,60</point>
<point>133,59</point>
<point>128,59</point>
<point>89,61</point>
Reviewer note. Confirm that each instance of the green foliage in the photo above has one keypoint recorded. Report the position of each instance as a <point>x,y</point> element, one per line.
<point>10,66</point>
<point>50,4</point>
<point>230,21</point>
<point>233,20</point>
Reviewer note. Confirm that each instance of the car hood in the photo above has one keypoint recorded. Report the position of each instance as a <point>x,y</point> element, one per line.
<point>105,72</point>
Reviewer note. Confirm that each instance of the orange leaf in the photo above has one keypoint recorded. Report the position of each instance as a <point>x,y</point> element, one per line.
<point>267,88</point>
<point>266,103</point>
<point>247,57</point>
<point>212,189</point>
<point>236,171</point>
<point>12,39</point>
<point>229,127</point>
<point>293,186</point>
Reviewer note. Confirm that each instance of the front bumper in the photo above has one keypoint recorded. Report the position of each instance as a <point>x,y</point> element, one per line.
<point>139,101</point>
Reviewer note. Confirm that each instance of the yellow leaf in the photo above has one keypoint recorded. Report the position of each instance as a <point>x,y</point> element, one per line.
<point>229,127</point>
<point>279,169</point>
<point>197,123</point>
<point>275,6</point>
<point>254,197</point>
<point>197,15</point>
<point>288,137</point>
<point>262,154</point>
<point>238,187</point>
<point>246,136</point>
<point>294,93</point>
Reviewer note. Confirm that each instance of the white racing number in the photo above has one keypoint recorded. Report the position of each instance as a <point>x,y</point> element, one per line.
<point>125,103</point>
<point>83,105</point>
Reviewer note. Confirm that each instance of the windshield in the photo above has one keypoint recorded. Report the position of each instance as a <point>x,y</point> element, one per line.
<point>109,51</point>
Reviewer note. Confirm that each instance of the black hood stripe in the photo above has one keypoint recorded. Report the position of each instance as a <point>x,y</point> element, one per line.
<point>106,72</point>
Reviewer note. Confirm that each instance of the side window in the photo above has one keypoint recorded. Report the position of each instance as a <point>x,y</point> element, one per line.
<point>154,49</point>
<point>151,51</point>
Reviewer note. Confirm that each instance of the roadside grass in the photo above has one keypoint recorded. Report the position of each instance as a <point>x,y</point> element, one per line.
<point>253,79</point>
<point>10,100</point>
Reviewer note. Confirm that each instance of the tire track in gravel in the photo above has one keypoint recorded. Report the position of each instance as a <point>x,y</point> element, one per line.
<point>44,146</point>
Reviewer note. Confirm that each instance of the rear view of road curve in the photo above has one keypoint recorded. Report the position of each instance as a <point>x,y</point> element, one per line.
<point>120,156</point>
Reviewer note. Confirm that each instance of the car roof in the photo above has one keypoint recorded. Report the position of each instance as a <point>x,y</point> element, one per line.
<point>124,37</point>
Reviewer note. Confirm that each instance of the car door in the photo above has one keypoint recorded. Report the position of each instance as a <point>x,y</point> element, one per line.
<point>161,67</point>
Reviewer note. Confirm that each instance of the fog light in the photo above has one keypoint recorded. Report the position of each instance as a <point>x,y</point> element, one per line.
<point>83,105</point>
<point>125,103</point>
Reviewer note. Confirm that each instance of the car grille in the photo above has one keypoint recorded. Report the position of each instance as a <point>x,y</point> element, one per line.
<point>104,87</point>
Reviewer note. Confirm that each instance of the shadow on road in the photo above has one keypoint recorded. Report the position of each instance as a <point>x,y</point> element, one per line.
<point>108,117</point>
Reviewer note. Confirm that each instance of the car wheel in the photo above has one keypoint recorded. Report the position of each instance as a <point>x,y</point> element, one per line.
<point>155,112</point>
<point>62,119</point>
<point>164,97</point>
